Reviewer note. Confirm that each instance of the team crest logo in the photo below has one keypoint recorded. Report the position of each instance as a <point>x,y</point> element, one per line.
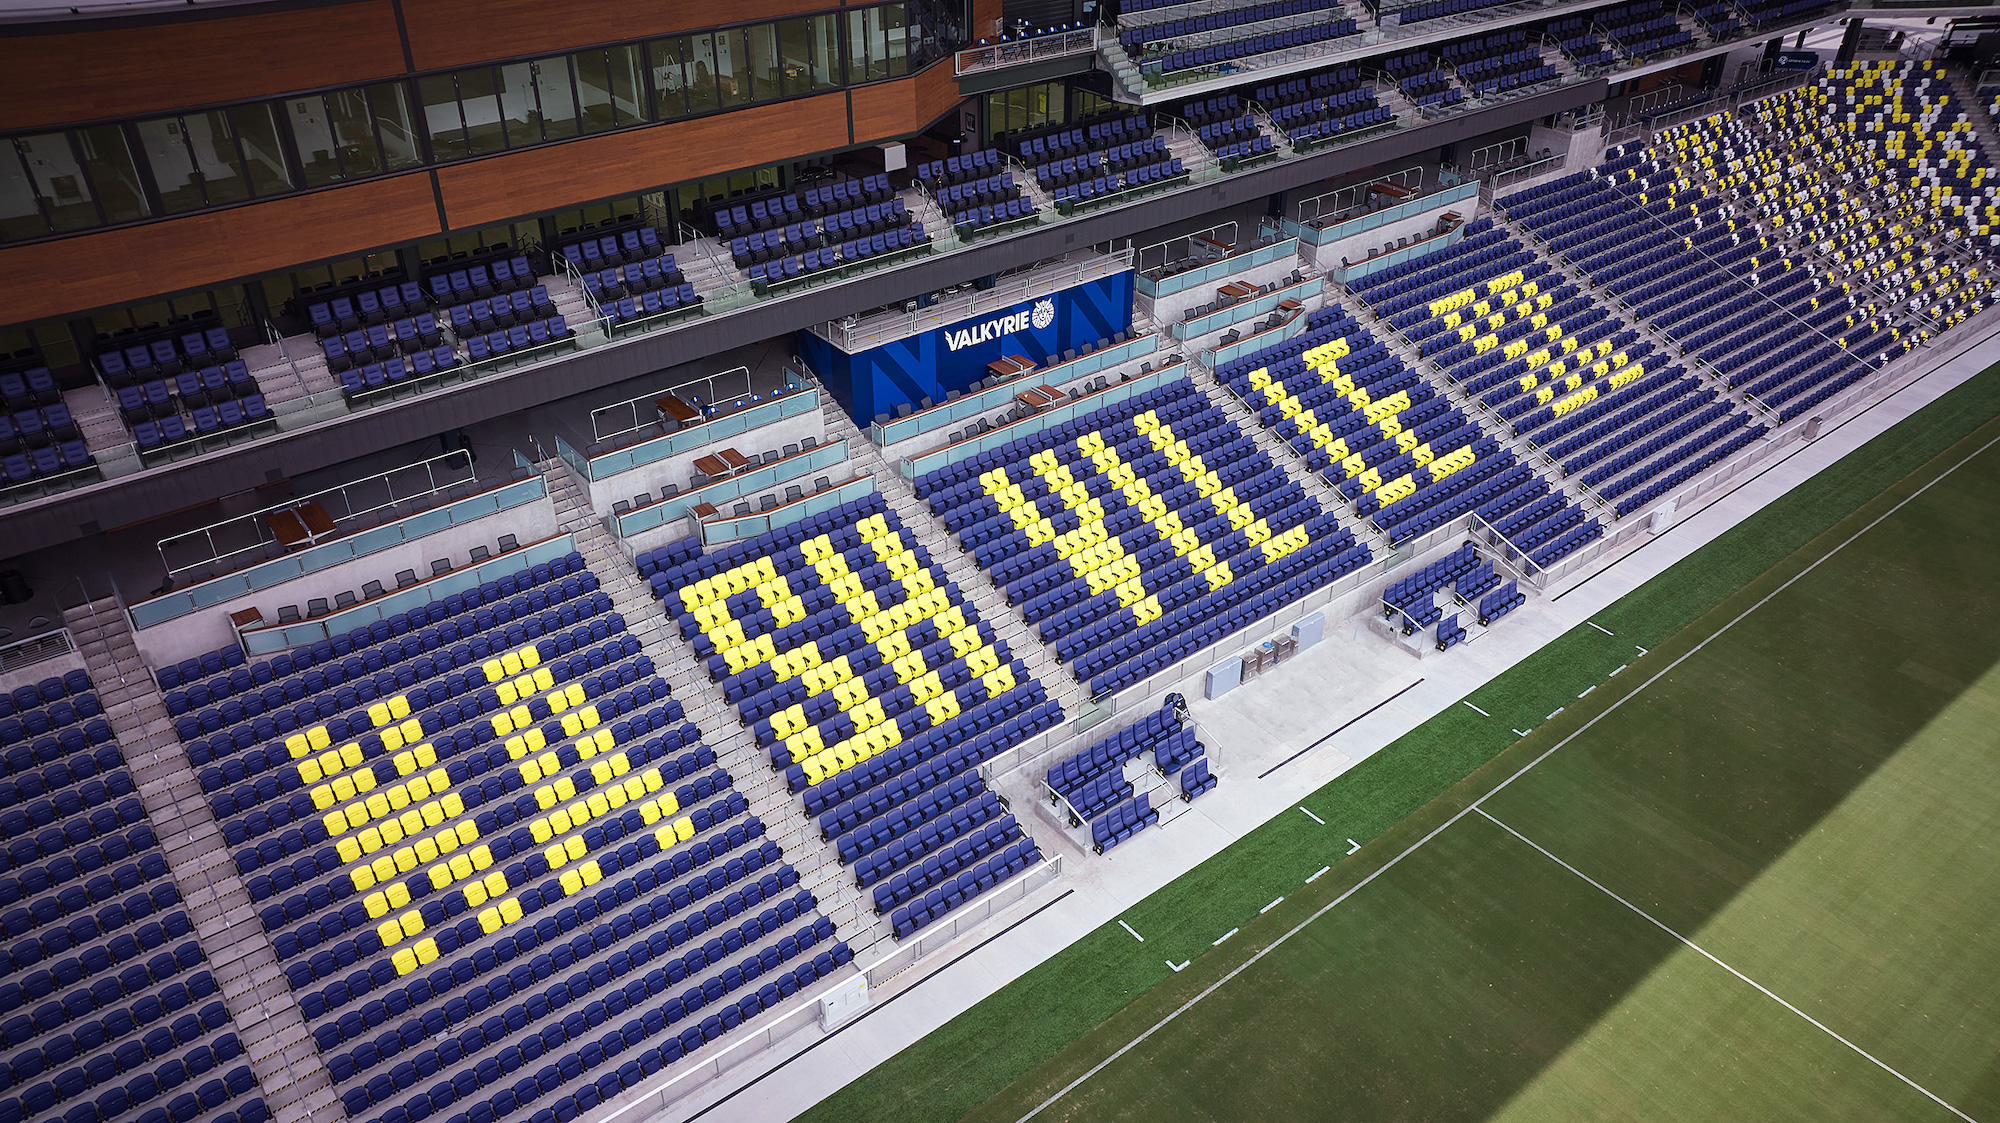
<point>1044,314</point>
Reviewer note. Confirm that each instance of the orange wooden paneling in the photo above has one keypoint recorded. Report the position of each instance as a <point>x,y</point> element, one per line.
<point>504,187</point>
<point>64,77</point>
<point>66,276</point>
<point>446,33</point>
<point>985,18</point>
<point>895,109</point>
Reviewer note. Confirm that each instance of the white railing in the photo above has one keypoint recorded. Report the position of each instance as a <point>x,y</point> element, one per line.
<point>1351,197</point>
<point>205,546</point>
<point>1212,244</point>
<point>639,412</point>
<point>1020,52</point>
<point>576,278</point>
<point>36,649</point>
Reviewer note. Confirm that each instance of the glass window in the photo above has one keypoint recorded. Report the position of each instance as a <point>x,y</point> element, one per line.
<point>876,43</point>
<point>257,135</point>
<point>607,84</point>
<point>593,89</point>
<point>390,102</point>
<point>173,169</point>
<point>558,100</point>
<point>810,49</point>
<point>312,139</point>
<point>213,142</point>
<point>703,76</point>
<point>669,78</point>
<point>482,110</point>
<point>19,216</point>
<point>353,133</point>
<point>732,67</point>
<point>112,173</point>
<point>517,104</point>
<point>441,117</point>
<point>763,42</point>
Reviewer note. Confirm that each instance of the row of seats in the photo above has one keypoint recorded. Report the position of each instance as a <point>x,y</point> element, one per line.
<point>628,310</point>
<point>1122,822</point>
<point>1072,776</point>
<point>202,422</point>
<point>41,442</point>
<point>379,342</point>
<point>1440,9</point>
<point>477,318</point>
<point>939,174</point>
<point>1643,30</point>
<point>1051,143</point>
<point>1315,131</point>
<point>608,250</point>
<point>1141,36</point>
<point>1141,532</point>
<point>29,387</point>
<point>742,220</point>
<point>156,399</point>
<point>1718,20</point>
<point>1240,138</point>
<point>812,233</point>
<point>1174,62</point>
<point>651,275</point>
<point>161,357</point>
<point>896,240</point>
<point>376,376</point>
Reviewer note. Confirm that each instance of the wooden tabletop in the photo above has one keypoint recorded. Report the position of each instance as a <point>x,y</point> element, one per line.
<point>703,511</point>
<point>291,531</point>
<point>317,520</point>
<point>737,461</point>
<point>712,466</point>
<point>1289,305</point>
<point>1008,366</point>
<point>671,406</point>
<point>246,617</point>
<point>1237,289</point>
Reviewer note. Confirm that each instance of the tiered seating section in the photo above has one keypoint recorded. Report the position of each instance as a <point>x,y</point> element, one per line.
<point>605,250</point>
<point>1097,159</point>
<point>43,441</point>
<point>1424,84</point>
<point>877,690</point>
<point>841,197</point>
<point>1498,63</point>
<point>395,792</point>
<point>1643,30</point>
<point>863,221</point>
<point>106,1007</point>
<point>976,191</point>
<point>1174,46</point>
<point>1319,109</point>
<point>1141,532</point>
<point>1718,19</point>
<point>1228,129</point>
<point>1577,36</point>
<point>1755,305</point>
<point>1438,9</point>
<point>1093,782</point>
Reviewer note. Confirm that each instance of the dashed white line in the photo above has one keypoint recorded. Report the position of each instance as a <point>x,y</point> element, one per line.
<point>1606,631</point>
<point>1128,928</point>
<point>1313,817</point>
<point>1269,907</point>
<point>1586,690</point>
<point>1475,709</point>
<point>1320,874</point>
<point>1555,711</point>
<point>1224,936</point>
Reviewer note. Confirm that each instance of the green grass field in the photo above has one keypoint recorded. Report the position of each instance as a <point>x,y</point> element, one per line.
<point>1809,797</point>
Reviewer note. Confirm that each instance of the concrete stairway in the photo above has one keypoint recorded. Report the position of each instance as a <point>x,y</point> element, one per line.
<point>736,749</point>
<point>295,1085</point>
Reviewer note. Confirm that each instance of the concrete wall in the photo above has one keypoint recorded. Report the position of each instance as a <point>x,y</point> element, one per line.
<point>188,636</point>
<point>679,468</point>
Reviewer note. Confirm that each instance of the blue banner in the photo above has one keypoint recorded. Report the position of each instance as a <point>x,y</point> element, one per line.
<point>931,364</point>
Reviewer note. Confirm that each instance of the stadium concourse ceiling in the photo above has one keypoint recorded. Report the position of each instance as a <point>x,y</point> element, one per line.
<point>67,516</point>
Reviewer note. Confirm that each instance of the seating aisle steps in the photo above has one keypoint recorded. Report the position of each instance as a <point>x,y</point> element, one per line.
<point>1692,361</point>
<point>276,1043</point>
<point>972,581</point>
<point>1280,452</point>
<point>1492,425</point>
<point>722,730</point>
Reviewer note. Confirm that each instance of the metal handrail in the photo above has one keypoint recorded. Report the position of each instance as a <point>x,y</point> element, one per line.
<point>255,519</point>
<point>1139,255</point>
<point>576,278</point>
<point>632,404</point>
<point>1360,192</point>
<point>1020,52</point>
